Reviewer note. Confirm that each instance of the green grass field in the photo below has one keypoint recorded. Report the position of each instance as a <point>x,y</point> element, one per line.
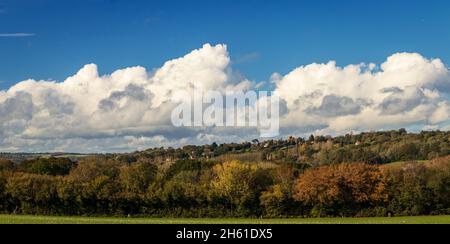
<point>26,219</point>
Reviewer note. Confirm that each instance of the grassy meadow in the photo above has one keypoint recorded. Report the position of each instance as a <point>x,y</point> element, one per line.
<point>28,219</point>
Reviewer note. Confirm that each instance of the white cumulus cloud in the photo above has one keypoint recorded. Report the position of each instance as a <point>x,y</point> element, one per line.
<point>404,90</point>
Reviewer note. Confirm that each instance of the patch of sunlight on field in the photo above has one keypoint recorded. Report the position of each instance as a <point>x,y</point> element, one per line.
<point>26,219</point>
<point>403,163</point>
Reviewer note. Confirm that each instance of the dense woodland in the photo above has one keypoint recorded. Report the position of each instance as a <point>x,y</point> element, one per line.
<point>369,174</point>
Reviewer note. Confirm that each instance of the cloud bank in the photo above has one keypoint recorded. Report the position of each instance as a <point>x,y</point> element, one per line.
<point>130,109</point>
<point>406,90</point>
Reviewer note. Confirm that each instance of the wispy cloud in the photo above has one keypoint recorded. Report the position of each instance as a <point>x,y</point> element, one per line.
<point>247,58</point>
<point>16,34</point>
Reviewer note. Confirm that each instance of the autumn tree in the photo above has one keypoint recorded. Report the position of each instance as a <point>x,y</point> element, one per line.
<point>92,167</point>
<point>3,195</point>
<point>340,189</point>
<point>95,180</point>
<point>419,188</point>
<point>240,184</point>
<point>278,200</point>
<point>273,200</point>
<point>32,193</point>
<point>6,165</point>
<point>135,178</point>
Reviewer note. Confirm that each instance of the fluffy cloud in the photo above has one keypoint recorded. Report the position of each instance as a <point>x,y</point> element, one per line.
<point>405,90</point>
<point>131,109</point>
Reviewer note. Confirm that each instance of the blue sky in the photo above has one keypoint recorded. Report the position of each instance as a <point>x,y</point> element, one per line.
<point>262,36</point>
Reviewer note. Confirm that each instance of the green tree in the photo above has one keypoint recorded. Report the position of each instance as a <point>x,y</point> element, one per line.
<point>135,178</point>
<point>48,166</point>
<point>32,193</point>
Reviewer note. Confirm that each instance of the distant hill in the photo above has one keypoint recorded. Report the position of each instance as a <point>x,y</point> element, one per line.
<point>368,147</point>
<point>20,157</point>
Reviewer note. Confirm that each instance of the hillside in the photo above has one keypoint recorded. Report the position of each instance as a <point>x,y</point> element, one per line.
<point>369,147</point>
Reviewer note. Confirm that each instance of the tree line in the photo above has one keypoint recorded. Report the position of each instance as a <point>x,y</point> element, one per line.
<point>115,186</point>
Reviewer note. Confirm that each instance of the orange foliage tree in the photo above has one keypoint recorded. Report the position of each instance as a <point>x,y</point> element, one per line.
<point>341,188</point>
